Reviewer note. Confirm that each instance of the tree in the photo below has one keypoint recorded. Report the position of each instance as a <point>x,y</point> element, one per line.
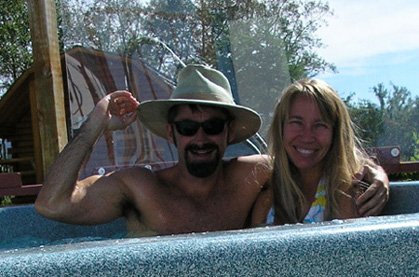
<point>369,120</point>
<point>393,122</point>
<point>15,42</point>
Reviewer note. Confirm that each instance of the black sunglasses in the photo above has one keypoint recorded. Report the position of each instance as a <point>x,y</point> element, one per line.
<point>189,128</point>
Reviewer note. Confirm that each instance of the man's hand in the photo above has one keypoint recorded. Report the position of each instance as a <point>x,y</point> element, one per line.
<point>373,200</point>
<point>116,111</point>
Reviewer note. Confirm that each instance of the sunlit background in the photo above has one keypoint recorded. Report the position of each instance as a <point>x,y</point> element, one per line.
<point>372,42</point>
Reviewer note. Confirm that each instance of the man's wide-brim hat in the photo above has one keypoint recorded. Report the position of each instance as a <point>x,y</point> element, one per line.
<point>202,85</point>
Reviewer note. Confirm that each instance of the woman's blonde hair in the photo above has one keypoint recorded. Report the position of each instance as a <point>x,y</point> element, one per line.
<point>343,160</point>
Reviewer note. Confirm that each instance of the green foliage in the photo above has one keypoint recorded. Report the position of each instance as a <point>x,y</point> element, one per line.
<point>394,121</point>
<point>15,42</point>
<point>6,201</point>
<point>415,156</point>
<point>369,120</point>
<point>405,177</point>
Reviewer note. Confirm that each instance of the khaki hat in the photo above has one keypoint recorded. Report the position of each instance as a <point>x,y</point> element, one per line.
<point>201,85</point>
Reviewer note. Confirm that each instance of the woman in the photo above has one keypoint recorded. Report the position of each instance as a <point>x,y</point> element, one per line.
<point>315,156</point>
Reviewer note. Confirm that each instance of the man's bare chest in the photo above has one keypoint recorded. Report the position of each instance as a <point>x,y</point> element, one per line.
<point>183,215</point>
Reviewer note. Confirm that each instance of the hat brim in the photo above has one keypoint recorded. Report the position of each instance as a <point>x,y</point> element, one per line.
<point>154,115</point>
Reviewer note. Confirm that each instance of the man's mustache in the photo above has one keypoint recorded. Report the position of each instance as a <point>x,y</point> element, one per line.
<point>206,146</point>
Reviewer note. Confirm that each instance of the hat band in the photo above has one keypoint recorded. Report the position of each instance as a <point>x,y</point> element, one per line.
<point>205,97</point>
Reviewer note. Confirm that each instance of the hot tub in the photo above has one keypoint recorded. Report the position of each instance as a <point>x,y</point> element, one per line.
<point>384,245</point>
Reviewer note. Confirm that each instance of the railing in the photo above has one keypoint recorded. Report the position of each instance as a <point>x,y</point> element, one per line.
<point>389,158</point>
<point>11,185</point>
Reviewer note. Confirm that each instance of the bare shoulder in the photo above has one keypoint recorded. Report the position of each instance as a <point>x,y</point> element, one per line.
<point>254,167</point>
<point>138,176</point>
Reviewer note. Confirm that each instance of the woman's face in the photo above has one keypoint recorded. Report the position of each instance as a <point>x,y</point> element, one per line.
<point>307,138</point>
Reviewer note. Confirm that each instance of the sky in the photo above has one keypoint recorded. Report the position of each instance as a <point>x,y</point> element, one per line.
<point>372,42</point>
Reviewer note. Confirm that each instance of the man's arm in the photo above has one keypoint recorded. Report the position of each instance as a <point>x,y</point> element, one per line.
<point>95,199</point>
<point>373,200</point>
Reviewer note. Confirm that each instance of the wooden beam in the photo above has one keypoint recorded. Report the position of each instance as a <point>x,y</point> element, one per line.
<point>40,171</point>
<point>47,99</point>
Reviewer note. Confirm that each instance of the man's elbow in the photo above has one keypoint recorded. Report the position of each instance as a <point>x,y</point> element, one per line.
<point>46,209</point>
<point>41,208</point>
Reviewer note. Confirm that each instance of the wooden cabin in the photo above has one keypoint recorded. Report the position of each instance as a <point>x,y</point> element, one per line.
<point>16,129</point>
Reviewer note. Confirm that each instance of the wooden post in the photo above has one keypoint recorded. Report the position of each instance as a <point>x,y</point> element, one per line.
<point>47,99</point>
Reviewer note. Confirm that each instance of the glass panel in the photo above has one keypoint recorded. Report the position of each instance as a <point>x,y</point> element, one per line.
<point>91,74</point>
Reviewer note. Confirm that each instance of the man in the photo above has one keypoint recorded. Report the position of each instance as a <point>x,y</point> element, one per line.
<point>200,193</point>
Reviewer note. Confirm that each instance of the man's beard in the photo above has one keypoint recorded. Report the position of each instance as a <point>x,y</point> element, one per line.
<point>202,169</point>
